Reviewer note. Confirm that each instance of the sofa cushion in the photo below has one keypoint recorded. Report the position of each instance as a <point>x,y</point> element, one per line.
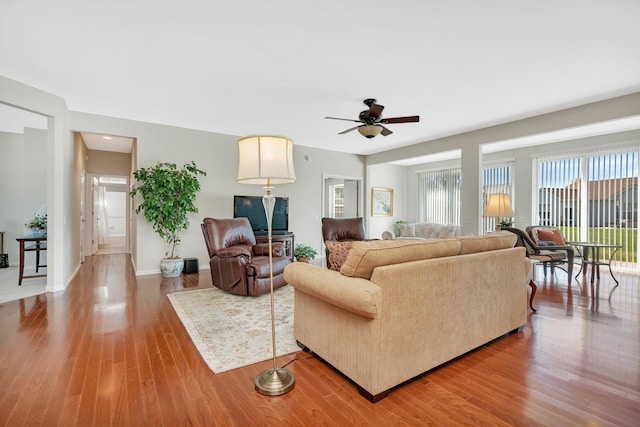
<point>338,252</point>
<point>487,242</point>
<point>365,256</point>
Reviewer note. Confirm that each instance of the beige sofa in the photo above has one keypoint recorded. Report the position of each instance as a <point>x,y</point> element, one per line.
<point>421,231</point>
<point>399,308</point>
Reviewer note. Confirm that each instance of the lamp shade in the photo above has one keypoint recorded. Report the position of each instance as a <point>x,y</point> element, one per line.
<point>499,205</point>
<point>265,160</point>
<point>370,131</point>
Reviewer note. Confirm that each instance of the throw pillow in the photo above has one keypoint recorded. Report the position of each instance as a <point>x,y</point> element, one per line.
<point>407,230</point>
<point>427,230</point>
<point>447,231</point>
<point>338,252</point>
<point>549,235</point>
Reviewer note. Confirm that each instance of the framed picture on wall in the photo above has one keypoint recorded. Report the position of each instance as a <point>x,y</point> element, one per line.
<point>381,202</point>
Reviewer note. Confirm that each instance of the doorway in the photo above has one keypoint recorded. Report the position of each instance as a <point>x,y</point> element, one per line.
<point>341,196</point>
<point>109,199</point>
<point>24,194</point>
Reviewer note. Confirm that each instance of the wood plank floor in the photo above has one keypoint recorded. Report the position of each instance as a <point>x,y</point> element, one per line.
<point>111,351</point>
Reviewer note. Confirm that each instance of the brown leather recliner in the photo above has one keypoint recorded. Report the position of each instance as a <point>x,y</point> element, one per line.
<point>342,230</point>
<point>238,265</point>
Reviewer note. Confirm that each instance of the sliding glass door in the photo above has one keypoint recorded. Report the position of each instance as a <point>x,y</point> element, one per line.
<point>592,197</point>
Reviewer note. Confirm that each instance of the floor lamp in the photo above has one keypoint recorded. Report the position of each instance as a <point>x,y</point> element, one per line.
<point>268,160</point>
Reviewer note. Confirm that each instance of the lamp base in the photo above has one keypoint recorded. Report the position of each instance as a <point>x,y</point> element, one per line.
<point>275,382</point>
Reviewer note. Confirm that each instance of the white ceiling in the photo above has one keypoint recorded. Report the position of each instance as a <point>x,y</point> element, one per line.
<point>101,142</point>
<point>279,67</point>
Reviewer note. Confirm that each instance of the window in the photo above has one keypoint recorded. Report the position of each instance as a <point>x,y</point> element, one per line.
<point>112,180</point>
<point>592,197</point>
<point>496,180</point>
<point>337,201</point>
<point>439,193</point>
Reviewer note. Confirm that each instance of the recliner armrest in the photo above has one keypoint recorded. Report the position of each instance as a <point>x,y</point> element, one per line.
<point>262,249</point>
<point>233,251</point>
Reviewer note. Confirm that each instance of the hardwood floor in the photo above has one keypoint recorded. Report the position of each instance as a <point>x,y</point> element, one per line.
<point>111,351</point>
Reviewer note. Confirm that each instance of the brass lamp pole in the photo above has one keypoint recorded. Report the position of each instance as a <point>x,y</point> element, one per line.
<point>267,160</point>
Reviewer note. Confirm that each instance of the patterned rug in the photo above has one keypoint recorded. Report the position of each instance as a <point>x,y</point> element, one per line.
<point>231,331</point>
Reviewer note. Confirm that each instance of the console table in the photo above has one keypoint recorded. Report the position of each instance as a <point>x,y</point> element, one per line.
<point>286,239</point>
<point>31,244</point>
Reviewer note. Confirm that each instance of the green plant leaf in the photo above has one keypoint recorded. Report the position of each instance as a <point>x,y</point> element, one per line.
<point>168,196</point>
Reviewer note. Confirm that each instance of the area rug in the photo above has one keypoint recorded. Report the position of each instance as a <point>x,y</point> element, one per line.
<point>232,331</point>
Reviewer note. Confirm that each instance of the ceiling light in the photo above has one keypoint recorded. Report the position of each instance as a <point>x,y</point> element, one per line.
<point>370,131</point>
<point>106,137</point>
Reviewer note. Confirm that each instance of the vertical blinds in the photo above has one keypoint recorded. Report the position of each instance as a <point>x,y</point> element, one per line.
<point>592,197</point>
<point>439,196</point>
<point>440,193</point>
<point>496,180</point>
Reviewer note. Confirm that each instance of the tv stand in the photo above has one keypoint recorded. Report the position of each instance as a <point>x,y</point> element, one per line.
<point>286,238</point>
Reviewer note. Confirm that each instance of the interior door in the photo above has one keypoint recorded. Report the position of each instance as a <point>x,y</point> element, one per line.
<point>82,214</point>
<point>94,215</point>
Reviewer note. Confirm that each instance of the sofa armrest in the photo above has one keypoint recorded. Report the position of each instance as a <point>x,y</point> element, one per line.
<point>359,296</point>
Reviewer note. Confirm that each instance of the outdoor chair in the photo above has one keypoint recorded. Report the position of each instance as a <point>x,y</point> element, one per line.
<point>552,237</point>
<point>561,256</point>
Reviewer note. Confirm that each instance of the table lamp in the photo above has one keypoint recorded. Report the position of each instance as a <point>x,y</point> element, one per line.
<point>499,206</point>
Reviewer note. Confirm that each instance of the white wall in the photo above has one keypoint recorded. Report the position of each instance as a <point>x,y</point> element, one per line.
<point>116,211</point>
<point>386,176</point>
<point>23,187</point>
<point>217,155</point>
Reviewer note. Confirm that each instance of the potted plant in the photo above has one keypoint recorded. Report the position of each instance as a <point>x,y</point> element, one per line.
<point>304,252</point>
<point>168,195</point>
<point>37,225</point>
<point>506,223</point>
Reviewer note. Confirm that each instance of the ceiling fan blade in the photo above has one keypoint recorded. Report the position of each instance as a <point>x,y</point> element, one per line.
<point>348,130</point>
<point>347,120</point>
<point>407,119</point>
<point>385,131</point>
<point>375,110</point>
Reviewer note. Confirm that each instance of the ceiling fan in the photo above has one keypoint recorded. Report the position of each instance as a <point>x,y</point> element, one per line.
<point>372,121</point>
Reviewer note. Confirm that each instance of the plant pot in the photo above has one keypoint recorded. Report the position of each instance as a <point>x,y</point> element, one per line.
<point>302,259</point>
<point>171,267</point>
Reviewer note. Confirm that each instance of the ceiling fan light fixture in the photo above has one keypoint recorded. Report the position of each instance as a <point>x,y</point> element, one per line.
<point>369,131</point>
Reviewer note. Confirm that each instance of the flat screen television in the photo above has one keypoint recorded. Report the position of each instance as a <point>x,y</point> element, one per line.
<point>251,207</point>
